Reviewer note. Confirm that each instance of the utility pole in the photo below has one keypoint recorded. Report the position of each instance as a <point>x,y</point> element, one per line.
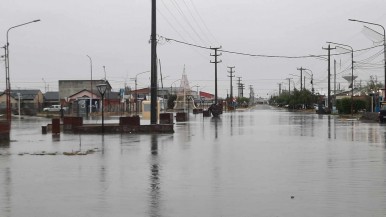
<point>215,55</point>
<point>231,84</point>
<point>334,82</point>
<point>329,75</point>
<point>301,77</point>
<point>279,88</point>
<point>242,89</point>
<point>238,87</point>
<point>312,83</point>
<point>251,95</point>
<point>153,83</point>
<point>289,85</point>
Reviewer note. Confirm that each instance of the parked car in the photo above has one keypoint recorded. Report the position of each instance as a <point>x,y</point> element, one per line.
<point>54,108</point>
<point>320,108</point>
<point>382,113</point>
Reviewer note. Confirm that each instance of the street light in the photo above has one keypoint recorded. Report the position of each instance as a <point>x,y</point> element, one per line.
<point>352,73</point>
<point>7,80</point>
<point>384,48</point>
<point>136,94</point>
<point>196,90</point>
<point>102,90</point>
<point>171,85</point>
<point>91,83</point>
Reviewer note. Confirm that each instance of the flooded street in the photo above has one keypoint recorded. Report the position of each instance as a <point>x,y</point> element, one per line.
<point>247,163</point>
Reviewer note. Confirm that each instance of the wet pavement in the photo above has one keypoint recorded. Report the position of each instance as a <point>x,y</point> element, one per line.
<point>260,162</point>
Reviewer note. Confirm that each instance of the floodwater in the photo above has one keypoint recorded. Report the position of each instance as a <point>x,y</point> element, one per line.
<point>260,162</point>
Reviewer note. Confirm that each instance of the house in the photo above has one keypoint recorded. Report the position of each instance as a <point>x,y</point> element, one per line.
<point>3,103</point>
<point>206,96</point>
<point>31,101</point>
<point>70,87</point>
<point>51,98</point>
<point>78,95</point>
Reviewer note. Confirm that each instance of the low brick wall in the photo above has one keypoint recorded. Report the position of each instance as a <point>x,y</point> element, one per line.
<point>70,122</point>
<point>4,131</point>
<point>114,128</point>
<point>129,121</point>
<point>55,126</point>
<point>370,116</point>
<point>181,116</point>
<point>197,111</point>
<point>206,113</point>
<point>166,118</point>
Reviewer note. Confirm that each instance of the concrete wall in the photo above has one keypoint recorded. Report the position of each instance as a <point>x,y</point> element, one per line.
<point>71,87</point>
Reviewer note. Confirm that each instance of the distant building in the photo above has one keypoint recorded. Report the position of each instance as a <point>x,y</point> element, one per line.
<point>51,98</point>
<point>81,95</point>
<point>31,101</point>
<point>206,96</point>
<point>3,103</point>
<point>70,87</point>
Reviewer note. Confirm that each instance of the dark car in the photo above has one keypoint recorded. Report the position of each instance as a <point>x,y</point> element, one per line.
<point>382,113</point>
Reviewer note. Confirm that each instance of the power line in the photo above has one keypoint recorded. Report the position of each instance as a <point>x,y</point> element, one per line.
<point>196,22</point>
<point>267,56</point>
<point>175,3</point>
<point>202,20</point>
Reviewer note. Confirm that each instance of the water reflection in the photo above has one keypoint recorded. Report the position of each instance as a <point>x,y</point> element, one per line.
<point>384,139</point>
<point>56,137</point>
<point>6,198</point>
<point>231,123</point>
<point>4,144</point>
<point>329,127</point>
<point>208,167</point>
<point>241,124</point>
<point>215,121</point>
<point>155,182</point>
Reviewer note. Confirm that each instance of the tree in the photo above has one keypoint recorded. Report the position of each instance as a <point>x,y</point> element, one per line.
<point>296,99</point>
<point>171,100</point>
<point>373,85</point>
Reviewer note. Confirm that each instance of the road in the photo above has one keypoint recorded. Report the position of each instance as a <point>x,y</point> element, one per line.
<point>260,162</point>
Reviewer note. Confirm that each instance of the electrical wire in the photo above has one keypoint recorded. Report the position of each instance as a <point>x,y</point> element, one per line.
<point>196,22</point>
<point>178,22</point>
<point>263,55</point>
<point>202,20</point>
<point>180,11</point>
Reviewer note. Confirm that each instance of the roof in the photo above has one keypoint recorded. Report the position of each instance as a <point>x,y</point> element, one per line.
<point>206,95</point>
<point>112,95</point>
<point>25,94</point>
<point>52,96</point>
<point>85,92</point>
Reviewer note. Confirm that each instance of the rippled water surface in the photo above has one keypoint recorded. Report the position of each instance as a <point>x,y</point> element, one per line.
<point>247,163</point>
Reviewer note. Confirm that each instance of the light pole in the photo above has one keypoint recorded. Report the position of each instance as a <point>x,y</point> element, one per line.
<point>90,83</point>
<point>7,80</point>
<point>352,73</point>
<point>384,48</point>
<point>196,90</point>
<point>171,85</point>
<point>102,90</point>
<point>136,94</point>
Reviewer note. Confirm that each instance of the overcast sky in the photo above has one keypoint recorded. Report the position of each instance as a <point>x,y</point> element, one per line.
<point>116,33</point>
